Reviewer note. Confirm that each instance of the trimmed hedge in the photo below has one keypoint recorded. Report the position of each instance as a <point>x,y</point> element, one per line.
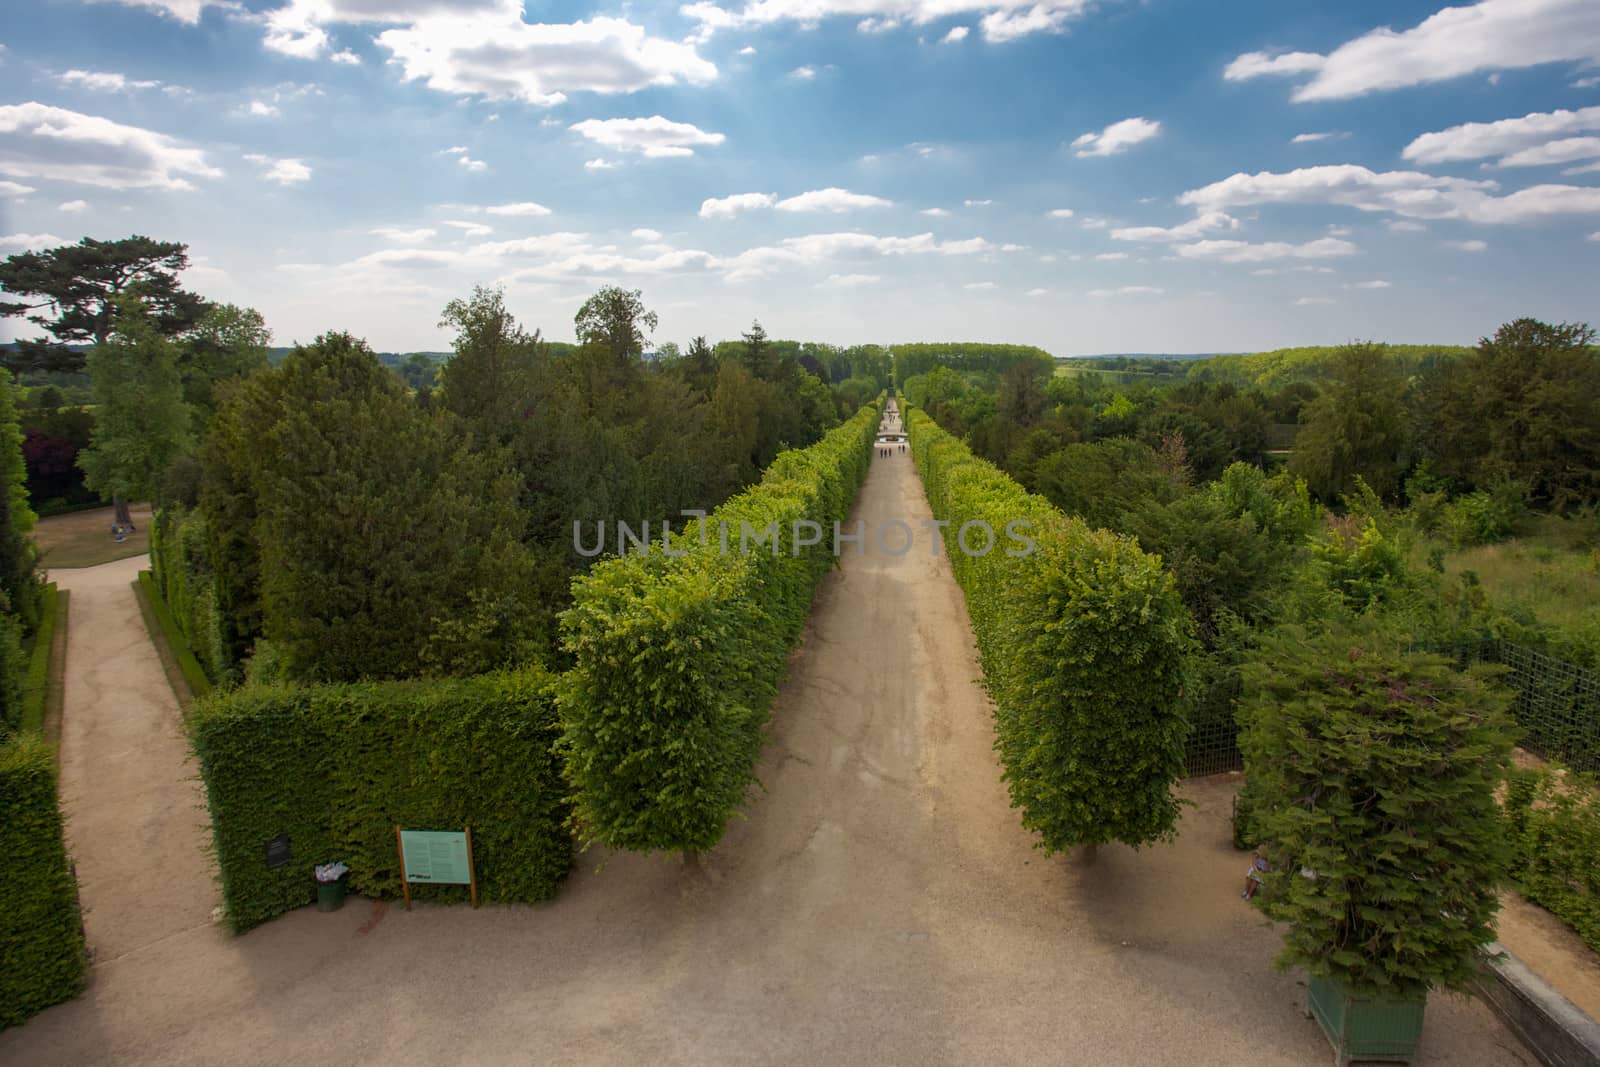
<point>181,568</point>
<point>188,665</point>
<point>41,935</point>
<point>1083,643</point>
<point>336,767</point>
<point>36,684</point>
<point>1553,822</point>
<point>677,659</point>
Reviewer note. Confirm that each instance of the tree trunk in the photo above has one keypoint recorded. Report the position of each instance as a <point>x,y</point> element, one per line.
<point>119,508</point>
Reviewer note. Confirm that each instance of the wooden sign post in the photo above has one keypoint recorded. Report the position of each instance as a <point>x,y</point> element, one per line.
<point>435,857</point>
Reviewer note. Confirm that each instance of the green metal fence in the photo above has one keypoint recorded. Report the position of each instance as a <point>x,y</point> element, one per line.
<point>1556,703</point>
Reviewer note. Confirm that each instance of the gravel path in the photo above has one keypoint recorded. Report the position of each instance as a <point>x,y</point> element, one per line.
<point>880,904</point>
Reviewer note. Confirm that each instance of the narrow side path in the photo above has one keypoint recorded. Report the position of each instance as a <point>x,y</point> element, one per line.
<point>135,816</point>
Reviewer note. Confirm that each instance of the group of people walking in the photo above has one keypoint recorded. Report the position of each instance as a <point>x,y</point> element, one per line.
<point>890,449</point>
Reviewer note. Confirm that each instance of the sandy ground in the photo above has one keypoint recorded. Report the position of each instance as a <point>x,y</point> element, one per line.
<point>880,904</point>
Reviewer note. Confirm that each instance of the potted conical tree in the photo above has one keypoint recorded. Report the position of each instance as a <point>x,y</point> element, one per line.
<point>1372,772</point>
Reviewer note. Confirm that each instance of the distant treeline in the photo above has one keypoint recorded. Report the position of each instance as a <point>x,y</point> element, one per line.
<point>965,358</point>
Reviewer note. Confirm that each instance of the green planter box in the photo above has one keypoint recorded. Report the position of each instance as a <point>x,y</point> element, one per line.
<point>1366,1029</point>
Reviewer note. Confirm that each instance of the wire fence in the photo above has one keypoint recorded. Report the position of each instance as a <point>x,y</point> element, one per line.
<point>1556,704</point>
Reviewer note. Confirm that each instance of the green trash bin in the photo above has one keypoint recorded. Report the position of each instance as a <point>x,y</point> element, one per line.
<point>330,895</point>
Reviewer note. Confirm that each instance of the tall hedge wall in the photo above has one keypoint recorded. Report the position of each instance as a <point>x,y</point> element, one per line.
<point>336,767</point>
<point>1083,644</point>
<point>677,659</point>
<point>180,564</point>
<point>41,935</point>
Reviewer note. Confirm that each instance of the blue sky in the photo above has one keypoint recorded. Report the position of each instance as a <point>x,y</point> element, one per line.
<point>1085,175</point>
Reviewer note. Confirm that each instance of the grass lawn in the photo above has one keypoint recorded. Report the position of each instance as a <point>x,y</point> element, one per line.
<point>83,538</point>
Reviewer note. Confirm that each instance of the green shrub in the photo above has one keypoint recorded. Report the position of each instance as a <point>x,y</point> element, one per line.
<point>1553,821</point>
<point>1487,516</point>
<point>180,565</point>
<point>1372,775</point>
<point>40,930</point>
<point>36,686</point>
<point>337,767</point>
<point>677,658</point>
<point>1083,644</point>
<point>172,634</point>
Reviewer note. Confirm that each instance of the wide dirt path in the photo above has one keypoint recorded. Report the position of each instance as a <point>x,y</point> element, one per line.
<point>880,905</point>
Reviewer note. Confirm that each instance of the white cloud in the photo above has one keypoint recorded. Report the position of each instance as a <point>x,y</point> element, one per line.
<point>1061,213</point>
<point>818,248</point>
<point>1310,138</point>
<point>493,53</point>
<point>1407,193</point>
<point>646,234</point>
<point>1595,236</point>
<point>262,109</point>
<point>599,164</point>
<point>15,189</point>
<point>477,166</point>
<point>400,236</point>
<point>1404,226</point>
<point>655,137</point>
<point>1375,284</point>
<point>282,171</point>
<point>850,281</point>
<point>1128,290</point>
<point>38,141</point>
<point>1467,246</point>
<point>347,57</point>
<point>187,11</point>
<point>832,200</point>
<point>729,206</point>
<point>1338,231</point>
<point>977,286</point>
<point>1245,252</point>
<point>105,81</point>
<point>1201,224</point>
<point>10,244</point>
<point>1037,292</point>
<point>977,203</point>
<point>1565,150</point>
<point>1487,36</point>
<point>1257,64</point>
<point>803,73</point>
<point>1001,20</point>
<point>1111,257</point>
<point>73,207</point>
<point>525,208</point>
<point>957,33</point>
<point>469,229</point>
<point>1094,223</point>
<point>1117,137</point>
<point>1586,83</point>
<point>936,212</point>
<point>1309,301</point>
<point>1589,168</point>
<point>747,50</point>
<point>1480,140</point>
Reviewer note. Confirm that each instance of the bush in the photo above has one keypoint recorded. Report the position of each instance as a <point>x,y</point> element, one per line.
<point>180,564</point>
<point>1372,775</point>
<point>1553,822</point>
<point>172,636</point>
<point>36,686</point>
<point>337,767</point>
<point>1487,516</point>
<point>1083,646</point>
<point>677,658</point>
<point>40,929</point>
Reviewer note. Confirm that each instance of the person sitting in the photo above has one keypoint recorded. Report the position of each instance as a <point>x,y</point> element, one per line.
<point>1252,877</point>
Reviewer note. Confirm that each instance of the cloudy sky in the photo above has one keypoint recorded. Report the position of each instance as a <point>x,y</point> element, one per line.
<point>1086,175</point>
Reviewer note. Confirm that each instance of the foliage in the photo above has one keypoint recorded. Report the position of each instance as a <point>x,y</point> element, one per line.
<point>1372,775</point>
<point>20,588</point>
<point>375,527</point>
<point>1356,426</point>
<point>1102,481</point>
<point>677,658</point>
<point>1486,516</point>
<point>36,683</point>
<point>227,343</point>
<point>966,358</point>
<point>40,929</point>
<point>1553,822</point>
<point>169,632</point>
<point>337,767</point>
<point>1285,367</point>
<point>142,422</point>
<point>1083,645</point>
<point>489,382</point>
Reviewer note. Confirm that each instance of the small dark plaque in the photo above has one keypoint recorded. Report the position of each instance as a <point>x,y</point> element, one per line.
<point>278,852</point>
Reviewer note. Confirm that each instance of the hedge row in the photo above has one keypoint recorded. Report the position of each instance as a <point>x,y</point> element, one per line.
<point>336,767</point>
<point>36,683</point>
<point>180,564</point>
<point>677,658</point>
<point>1083,643</point>
<point>167,631</point>
<point>1554,827</point>
<point>41,935</point>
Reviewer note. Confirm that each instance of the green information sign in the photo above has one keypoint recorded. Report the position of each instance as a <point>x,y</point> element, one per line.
<point>438,857</point>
